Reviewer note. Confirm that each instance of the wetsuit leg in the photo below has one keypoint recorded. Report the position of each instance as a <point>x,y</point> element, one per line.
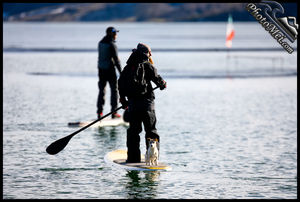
<point>133,138</point>
<point>149,120</point>
<point>101,96</point>
<point>114,91</point>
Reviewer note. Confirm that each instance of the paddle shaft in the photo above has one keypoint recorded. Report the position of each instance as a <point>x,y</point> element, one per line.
<point>85,127</point>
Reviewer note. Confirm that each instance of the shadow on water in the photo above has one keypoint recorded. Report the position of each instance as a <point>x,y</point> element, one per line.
<point>142,184</point>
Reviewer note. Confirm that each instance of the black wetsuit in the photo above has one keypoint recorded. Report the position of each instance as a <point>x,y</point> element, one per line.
<point>141,107</point>
<point>107,61</point>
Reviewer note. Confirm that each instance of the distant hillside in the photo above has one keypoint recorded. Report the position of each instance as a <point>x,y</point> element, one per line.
<point>158,12</point>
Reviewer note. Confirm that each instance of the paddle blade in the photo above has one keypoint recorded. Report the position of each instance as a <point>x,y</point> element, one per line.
<point>58,145</point>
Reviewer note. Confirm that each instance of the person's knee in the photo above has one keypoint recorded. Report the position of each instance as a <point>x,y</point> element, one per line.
<point>101,85</point>
<point>134,131</point>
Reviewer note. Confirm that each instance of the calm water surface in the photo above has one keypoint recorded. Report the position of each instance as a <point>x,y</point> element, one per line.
<point>224,138</point>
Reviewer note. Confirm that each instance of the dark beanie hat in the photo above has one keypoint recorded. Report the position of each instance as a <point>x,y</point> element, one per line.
<point>143,48</point>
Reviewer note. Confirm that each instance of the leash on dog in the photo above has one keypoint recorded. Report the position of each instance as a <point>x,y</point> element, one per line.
<point>59,145</point>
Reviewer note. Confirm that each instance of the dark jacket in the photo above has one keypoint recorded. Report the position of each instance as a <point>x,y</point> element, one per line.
<point>108,54</point>
<point>134,60</point>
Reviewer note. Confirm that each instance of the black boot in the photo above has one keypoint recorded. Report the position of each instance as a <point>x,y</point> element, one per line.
<point>133,156</point>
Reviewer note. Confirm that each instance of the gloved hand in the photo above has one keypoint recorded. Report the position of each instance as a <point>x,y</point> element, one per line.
<point>163,86</point>
<point>124,103</point>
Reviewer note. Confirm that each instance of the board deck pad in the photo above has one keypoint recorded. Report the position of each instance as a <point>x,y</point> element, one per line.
<point>118,157</point>
<point>108,121</point>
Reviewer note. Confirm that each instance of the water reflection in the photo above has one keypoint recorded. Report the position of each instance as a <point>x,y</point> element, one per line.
<point>107,136</point>
<point>142,184</point>
<point>110,132</point>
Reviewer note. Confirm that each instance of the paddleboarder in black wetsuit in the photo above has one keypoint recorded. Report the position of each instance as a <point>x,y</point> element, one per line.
<point>137,94</point>
<point>107,61</point>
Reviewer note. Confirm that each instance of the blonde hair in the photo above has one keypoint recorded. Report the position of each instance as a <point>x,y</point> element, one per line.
<point>150,60</point>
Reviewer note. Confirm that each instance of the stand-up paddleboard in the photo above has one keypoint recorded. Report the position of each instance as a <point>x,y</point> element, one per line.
<point>105,122</point>
<point>118,158</point>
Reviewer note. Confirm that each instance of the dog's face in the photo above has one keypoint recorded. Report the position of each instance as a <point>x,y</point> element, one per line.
<point>152,142</point>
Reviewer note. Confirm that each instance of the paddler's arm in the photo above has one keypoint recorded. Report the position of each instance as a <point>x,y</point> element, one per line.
<point>115,57</point>
<point>123,99</point>
<point>156,78</point>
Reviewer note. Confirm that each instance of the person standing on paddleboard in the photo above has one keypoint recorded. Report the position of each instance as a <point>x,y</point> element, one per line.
<point>137,96</point>
<point>107,61</point>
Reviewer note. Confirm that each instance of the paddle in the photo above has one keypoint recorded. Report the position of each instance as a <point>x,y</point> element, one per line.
<point>60,144</point>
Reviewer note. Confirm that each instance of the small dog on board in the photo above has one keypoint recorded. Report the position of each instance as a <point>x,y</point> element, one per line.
<point>151,156</point>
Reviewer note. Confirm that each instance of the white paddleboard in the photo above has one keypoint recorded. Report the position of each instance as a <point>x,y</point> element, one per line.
<point>118,158</point>
<point>108,121</point>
